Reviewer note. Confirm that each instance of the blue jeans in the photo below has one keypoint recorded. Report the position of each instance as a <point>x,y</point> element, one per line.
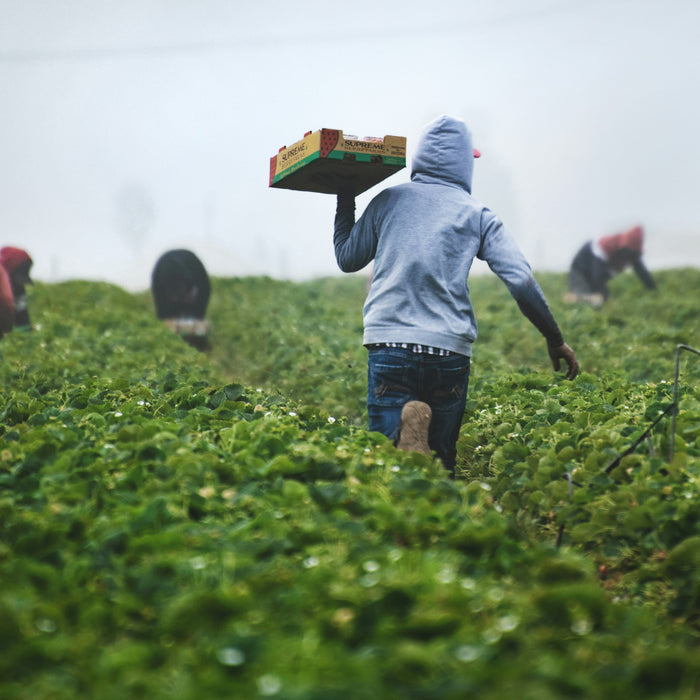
<point>398,375</point>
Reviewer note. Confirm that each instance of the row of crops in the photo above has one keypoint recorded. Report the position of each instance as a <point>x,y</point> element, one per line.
<point>175,524</point>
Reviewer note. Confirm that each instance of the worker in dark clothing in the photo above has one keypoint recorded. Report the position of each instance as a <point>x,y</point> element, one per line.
<point>181,288</point>
<point>599,260</point>
<point>17,264</point>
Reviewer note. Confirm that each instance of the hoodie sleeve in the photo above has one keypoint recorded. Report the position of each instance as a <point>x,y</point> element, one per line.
<point>504,257</point>
<point>355,243</point>
<point>644,274</point>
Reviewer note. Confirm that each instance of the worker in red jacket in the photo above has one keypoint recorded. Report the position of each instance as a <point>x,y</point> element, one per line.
<point>7,303</point>
<point>599,260</point>
<point>16,265</point>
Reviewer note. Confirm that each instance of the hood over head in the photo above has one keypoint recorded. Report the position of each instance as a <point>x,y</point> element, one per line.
<point>14,258</point>
<point>445,154</point>
<point>631,240</point>
<point>634,238</point>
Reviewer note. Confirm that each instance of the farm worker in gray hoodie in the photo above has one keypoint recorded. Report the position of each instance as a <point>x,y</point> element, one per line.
<point>419,323</point>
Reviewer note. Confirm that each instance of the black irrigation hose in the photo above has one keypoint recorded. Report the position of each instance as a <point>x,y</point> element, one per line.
<point>679,347</point>
<point>633,447</point>
<point>672,406</point>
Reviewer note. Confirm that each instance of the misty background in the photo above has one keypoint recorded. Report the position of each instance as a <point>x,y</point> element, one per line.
<point>133,126</point>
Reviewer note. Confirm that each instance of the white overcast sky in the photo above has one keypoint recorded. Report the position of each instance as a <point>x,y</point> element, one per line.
<point>132,126</point>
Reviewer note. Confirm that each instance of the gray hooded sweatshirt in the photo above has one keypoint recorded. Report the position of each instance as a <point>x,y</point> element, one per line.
<point>423,237</point>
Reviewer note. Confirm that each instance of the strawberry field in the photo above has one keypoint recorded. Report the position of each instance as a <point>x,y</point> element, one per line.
<point>175,524</point>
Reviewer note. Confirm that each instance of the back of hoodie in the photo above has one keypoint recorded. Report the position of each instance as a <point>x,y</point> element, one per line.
<point>423,236</point>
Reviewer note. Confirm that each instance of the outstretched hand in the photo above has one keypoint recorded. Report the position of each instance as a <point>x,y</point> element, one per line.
<point>564,352</point>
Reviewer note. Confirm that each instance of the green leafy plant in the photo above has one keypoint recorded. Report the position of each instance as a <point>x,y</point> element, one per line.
<point>176,524</point>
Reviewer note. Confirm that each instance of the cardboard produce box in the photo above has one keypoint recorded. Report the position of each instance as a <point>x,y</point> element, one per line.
<point>313,163</point>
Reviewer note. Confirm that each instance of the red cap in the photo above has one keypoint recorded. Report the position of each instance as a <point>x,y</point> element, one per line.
<point>477,153</point>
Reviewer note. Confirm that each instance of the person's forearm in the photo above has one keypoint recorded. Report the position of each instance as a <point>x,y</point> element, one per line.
<point>644,275</point>
<point>344,221</point>
<point>534,306</point>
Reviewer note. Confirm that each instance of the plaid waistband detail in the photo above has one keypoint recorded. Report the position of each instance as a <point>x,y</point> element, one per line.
<point>413,347</point>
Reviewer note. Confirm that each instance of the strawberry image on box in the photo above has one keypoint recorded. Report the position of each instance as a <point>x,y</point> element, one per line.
<point>314,163</point>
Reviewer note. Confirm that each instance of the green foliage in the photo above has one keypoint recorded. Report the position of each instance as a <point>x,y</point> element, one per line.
<point>302,340</point>
<point>176,524</point>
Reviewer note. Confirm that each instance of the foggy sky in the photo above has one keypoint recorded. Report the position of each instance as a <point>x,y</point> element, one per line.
<point>135,126</point>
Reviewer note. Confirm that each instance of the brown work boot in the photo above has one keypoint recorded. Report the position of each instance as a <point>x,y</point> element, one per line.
<point>413,432</point>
